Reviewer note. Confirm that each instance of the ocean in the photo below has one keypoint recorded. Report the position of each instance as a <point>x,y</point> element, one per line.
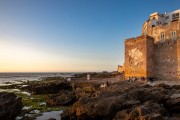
<point>19,77</point>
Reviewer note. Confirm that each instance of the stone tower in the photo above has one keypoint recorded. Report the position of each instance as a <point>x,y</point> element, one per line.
<point>139,57</point>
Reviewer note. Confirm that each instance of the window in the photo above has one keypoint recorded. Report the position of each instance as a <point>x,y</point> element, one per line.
<point>153,26</point>
<point>167,17</point>
<point>173,34</point>
<point>175,16</point>
<point>162,36</point>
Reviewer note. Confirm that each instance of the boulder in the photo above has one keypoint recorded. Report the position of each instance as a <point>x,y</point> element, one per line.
<point>49,87</point>
<point>97,108</point>
<point>123,101</point>
<point>85,89</point>
<point>10,106</point>
<point>63,98</point>
<point>87,108</point>
<point>177,87</point>
<point>165,86</point>
<point>142,112</point>
<point>173,104</point>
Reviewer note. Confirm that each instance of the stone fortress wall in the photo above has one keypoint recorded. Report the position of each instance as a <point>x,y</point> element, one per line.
<point>136,56</point>
<point>167,59</point>
<point>156,53</point>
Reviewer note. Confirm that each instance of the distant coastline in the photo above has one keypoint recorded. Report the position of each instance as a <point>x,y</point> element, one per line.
<point>30,76</point>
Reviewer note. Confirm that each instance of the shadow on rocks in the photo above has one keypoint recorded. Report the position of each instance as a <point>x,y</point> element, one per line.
<point>10,106</point>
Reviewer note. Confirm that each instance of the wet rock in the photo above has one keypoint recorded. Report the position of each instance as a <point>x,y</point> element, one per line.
<point>63,98</point>
<point>96,109</point>
<point>122,101</point>
<point>10,106</point>
<point>35,112</point>
<point>143,112</point>
<point>49,87</point>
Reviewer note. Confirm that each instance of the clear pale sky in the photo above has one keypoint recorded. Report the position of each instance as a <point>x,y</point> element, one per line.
<point>70,35</point>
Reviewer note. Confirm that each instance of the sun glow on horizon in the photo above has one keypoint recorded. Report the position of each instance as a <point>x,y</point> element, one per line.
<point>17,57</point>
<point>69,36</point>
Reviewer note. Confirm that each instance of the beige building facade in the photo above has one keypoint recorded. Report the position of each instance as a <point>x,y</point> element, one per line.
<point>156,53</point>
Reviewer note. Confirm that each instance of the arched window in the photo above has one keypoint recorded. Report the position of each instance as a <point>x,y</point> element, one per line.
<point>173,33</point>
<point>162,36</point>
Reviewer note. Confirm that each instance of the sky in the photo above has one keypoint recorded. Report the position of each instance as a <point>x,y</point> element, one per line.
<point>71,35</point>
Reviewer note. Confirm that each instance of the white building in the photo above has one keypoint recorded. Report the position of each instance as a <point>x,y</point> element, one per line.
<point>162,19</point>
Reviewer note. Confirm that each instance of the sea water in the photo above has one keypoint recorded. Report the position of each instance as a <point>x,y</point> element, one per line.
<point>23,77</point>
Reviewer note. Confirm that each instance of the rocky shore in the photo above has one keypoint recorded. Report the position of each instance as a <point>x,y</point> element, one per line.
<point>125,101</point>
<point>101,98</point>
<point>10,106</point>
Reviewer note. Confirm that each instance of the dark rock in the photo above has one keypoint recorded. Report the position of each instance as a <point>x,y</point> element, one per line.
<point>10,106</point>
<point>165,86</point>
<point>88,110</point>
<point>122,101</point>
<point>173,104</point>
<point>156,94</point>
<point>49,87</point>
<point>97,108</point>
<point>63,98</point>
<point>143,112</point>
<point>53,78</point>
<point>95,75</point>
<point>51,119</point>
<point>92,85</point>
<point>177,87</point>
<point>122,115</point>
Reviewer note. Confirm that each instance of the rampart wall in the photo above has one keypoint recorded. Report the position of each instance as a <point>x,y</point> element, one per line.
<point>136,49</point>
